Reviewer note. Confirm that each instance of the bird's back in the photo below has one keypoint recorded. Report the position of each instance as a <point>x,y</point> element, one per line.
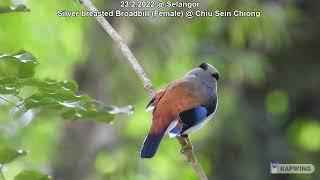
<point>179,96</point>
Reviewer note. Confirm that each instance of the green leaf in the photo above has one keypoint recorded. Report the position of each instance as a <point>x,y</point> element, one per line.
<point>25,56</point>
<point>35,103</point>
<point>7,154</point>
<point>71,104</point>
<point>8,90</point>
<point>21,64</point>
<point>8,80</point>
<point>52,96</point>
<point>32,175</point>
<point>27,91</point>
<point>69,85</point>
<point>18,8</point>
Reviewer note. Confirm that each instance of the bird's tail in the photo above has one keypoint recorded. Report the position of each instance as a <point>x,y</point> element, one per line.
<point>150,145</point>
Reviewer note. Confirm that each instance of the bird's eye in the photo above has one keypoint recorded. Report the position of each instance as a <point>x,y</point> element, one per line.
<point>215,75</point>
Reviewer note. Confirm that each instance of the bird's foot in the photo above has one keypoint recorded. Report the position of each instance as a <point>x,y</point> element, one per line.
<point>185,148</point>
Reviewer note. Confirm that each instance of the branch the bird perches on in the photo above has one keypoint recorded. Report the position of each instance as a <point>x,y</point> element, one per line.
<point>188,152</point>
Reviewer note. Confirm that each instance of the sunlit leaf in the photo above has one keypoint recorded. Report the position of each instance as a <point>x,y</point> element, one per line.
<point>21,64</point>
<point>25,56</point>
<point>69,85</point>
<point>71,104</point>
<point>18,8</point>
<point>32,175</point>
<point>8,155</point>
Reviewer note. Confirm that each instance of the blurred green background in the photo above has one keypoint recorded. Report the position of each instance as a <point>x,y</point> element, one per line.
<point>269,91</point>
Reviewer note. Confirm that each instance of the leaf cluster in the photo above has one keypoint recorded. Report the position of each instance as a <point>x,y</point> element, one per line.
<point>17,79</point>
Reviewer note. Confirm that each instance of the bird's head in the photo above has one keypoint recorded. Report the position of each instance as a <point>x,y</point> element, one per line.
<point>205,71</point>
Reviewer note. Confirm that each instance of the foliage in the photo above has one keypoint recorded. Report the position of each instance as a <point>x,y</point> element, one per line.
<point>8,155</point>
<point>18,80</point>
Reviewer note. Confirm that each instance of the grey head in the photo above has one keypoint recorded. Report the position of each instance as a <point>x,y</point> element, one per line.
<point>206,73</point>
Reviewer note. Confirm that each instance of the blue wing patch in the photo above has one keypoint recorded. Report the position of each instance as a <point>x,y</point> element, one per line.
<point>193,116</point>
<point>174,132</point>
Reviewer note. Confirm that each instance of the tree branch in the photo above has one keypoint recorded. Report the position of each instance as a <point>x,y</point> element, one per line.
<point>143,77</point>
<point>123,46</point>
<point>192,159</point>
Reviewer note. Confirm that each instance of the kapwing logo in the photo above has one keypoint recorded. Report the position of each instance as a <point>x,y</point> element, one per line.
<point>277,168</point>
<point>274,168</point>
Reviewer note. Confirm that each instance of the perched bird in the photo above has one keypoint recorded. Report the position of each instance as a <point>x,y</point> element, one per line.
<point>182,107</point>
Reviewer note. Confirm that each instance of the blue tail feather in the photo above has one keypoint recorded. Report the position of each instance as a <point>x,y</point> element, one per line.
<point>150,145</point>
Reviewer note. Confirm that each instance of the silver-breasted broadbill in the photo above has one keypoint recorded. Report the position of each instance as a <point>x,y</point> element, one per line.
<point>182,107</point>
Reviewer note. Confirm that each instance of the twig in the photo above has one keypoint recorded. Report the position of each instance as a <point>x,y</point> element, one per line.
<point>143,77</point>
<point>17,106</point>
<point>192,159</point>
<point>122,45</point>
<point>20,98</point>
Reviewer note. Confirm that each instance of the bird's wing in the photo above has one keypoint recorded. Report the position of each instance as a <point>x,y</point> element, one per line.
<point>195,118</point>
<point>179,96</point>
<point>153,102</point>
<point>188,119</point>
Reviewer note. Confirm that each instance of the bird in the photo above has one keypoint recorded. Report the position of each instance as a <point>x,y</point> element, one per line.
<point>182,107</point>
